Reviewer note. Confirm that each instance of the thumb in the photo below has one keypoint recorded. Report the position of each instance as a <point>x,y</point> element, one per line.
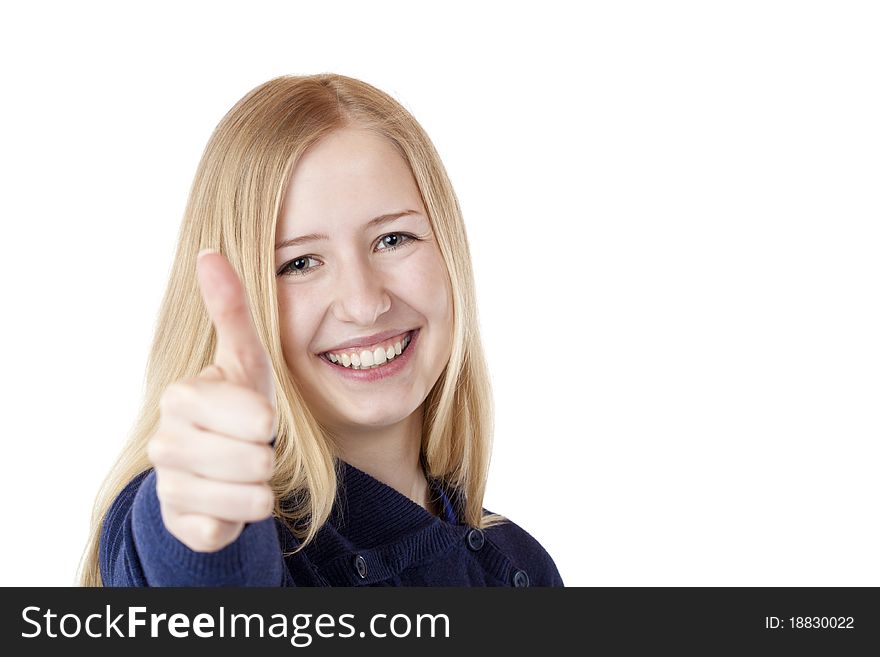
<point>240,354</point>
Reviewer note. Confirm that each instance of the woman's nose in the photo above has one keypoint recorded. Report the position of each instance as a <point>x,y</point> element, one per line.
<point>360,291</point>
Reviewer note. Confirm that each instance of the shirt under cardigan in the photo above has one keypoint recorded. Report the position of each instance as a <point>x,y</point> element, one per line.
<point>375,536</point>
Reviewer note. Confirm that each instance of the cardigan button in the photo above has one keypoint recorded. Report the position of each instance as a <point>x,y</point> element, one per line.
<point>475,539</point>
<point>360,565</point>
<point>520,578</point>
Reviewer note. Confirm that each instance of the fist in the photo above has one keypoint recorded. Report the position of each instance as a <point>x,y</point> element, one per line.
<point>211,450</point>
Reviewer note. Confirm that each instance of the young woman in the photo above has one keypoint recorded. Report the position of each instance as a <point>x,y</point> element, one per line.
<point>318,409</point>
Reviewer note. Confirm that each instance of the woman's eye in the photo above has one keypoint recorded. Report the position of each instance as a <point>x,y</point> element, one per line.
<point>299,266</point>
<point>395,242</point>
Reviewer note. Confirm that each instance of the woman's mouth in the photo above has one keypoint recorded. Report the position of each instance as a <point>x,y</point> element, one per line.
<point>385,359</point>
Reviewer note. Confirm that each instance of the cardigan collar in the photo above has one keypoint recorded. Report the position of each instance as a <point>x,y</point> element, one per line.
<point>379,527</point>
<point>366,508</point>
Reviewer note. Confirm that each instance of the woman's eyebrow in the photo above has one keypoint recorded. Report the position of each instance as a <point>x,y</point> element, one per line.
<point>375,221</point>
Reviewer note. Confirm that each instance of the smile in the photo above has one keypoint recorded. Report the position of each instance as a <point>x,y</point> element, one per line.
<point>373,357</point>
<point>384,360</point>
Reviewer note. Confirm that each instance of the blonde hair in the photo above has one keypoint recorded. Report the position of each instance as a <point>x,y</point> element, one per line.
<point>233,206</point>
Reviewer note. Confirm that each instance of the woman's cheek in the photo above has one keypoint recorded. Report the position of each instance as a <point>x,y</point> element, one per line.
<point>295,309</point>
<point>423,274</point>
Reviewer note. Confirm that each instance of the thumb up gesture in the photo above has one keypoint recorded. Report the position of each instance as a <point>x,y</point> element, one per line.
<point>211,450</point>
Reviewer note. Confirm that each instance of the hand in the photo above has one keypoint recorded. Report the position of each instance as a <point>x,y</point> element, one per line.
<point>211,450</point>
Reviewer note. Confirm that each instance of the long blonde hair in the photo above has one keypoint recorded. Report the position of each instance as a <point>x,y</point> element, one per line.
<point>233,206</point>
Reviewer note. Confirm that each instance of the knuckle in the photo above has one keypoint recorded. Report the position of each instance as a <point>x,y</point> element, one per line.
<point>262,502</point>
<point>162,488</point>
<point>265,420</point>
<point>265,464</point>
<point>210,533</point>
<point>270,503</point>
<point>168,490</point>
<point>157,451</point>
<point>177,397</point>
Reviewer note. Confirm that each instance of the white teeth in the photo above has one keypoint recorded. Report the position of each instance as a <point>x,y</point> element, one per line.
<point>370,359</point>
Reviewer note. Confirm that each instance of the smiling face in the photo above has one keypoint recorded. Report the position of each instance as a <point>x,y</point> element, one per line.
<point>377,272</point>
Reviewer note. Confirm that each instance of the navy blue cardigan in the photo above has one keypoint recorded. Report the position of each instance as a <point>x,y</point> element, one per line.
<point>375,536</point>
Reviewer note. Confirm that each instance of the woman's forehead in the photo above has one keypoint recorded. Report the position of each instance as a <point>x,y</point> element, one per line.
<point>346,181</point>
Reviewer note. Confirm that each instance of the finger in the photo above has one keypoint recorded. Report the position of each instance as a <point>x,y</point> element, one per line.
<point>212,456</point>
<point>183,492</point>
<point>239,351</point>
<point>218,406</point>
<point>214,372</point>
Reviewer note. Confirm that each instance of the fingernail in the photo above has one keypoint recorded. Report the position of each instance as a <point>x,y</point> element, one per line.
<point>204,251</point>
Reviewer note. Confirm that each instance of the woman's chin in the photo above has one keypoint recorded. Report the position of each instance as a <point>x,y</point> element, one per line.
<point>367,418</point>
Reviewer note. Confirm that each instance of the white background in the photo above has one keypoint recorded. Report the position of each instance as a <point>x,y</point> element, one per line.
<point>673,216</point>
